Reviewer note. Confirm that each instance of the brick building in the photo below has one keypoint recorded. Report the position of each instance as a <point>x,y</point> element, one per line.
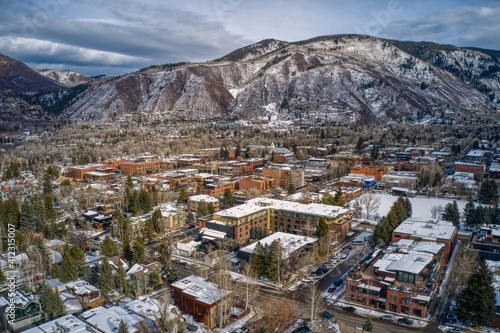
<point>368,170</point>
<point>431,230</point>
<point>477,168</point>
<point>261,184</point>
<point>204,300</point>
<point>139,167</point>
<point>284,175</point>
<point>78,171</point>
<point>194,202</point>
<point>401,279</point>
<point>217,188</point>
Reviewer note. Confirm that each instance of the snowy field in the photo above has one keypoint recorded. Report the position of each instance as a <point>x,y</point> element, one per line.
<point>421,206</point>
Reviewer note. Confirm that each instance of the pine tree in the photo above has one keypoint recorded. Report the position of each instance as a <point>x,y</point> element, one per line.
<point>121,278</point>
<point>68,268</point>
<point>469,213</point>
<point>327,199</point>
<point>257,260</point>
<point>78,258</point>
<point>202,209</point>
<point>52,304</point>
<point>183,197</point>
<point>165,255</point>
<point>368,325</point>
<point>26,215</point>
<point>2,276</point>
<point>408,208</point>
<point>154,279</point>
<point>156,219</point>
<point>338,199</point>
<point>237,152</point>
<point>228,199</point>
<point>106,279</point>
<point>149,230</point>
<point>138,250</point>
<point>211,208</point>
<point>127,250</point>
<point>291,189</point>
<point>451,213</point>
<point>322,234</point>
<point>476,303</point>
<point>108,247</point>
<point>145,201</point>
<point>123,327</point>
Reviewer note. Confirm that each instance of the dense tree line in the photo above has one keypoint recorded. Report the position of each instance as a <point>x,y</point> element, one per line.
<point>400,210</point>
<point>480,214</point>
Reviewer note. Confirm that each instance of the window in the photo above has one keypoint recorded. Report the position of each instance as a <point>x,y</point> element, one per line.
<point>406,300</point>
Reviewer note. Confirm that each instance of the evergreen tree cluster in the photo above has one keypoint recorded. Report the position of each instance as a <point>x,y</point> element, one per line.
<point>71,266</point>
<point>224,153</point>
<point>400,211</point>
<point>337,200</point>
<point>204,209</point>
<point>138,202</point>
<point>488,193</point>
<point>36,213</point>
<point>474,215</point>
<point>266,261</point>
<point>12,171</point>
<point>52,304</point>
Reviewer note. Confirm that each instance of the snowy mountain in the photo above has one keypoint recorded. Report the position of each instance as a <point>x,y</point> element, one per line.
<point>65,77</point>
<point>344,78</point>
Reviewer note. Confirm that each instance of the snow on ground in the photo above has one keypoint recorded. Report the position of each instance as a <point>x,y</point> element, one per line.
<point>421,206</point>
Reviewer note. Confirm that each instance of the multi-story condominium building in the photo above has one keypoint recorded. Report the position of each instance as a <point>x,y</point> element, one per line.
<point>278,215</point>
<point>430,230</point>
<point>285,175</point>
<point>195,201</point>
<point>401,279</point>
<point>139,167</point>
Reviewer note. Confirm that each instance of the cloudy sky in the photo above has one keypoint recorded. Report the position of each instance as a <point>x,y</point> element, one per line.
<point>119,36</point>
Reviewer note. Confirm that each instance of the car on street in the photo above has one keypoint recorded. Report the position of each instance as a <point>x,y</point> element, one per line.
<point>176,261</point>
<point>405,320</point>
<point>386,317</point>
<point>454,330</point>
<point>327,315</point>
<point>241,330</point>
<point>332,289</point>
<point>349,309</point>
<point>451,318</point>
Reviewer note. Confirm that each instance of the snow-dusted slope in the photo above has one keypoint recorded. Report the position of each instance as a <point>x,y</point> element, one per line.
<point>343,78</point>
<point>65,77</point>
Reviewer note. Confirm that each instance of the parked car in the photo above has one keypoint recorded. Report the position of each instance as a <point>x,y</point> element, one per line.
<point>338,282</point>
<point>98,242</point>
<point>241,330</point>
<point>405,320</point>
<point>386,317</point>
<point>451,318</point>
<point>192,328</point>
<point>454,330</point>
<point>332,289</point>
<point>303,329</point>
<point>176,261</point>
<point>327,315</point>
<point>349,309</point>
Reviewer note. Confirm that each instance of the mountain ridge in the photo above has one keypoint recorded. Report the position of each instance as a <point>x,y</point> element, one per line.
<point>336,78</point>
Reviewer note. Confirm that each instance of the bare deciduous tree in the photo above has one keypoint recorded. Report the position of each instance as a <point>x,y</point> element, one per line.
<point>369,203</point>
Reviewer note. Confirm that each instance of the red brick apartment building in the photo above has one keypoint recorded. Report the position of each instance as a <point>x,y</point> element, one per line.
<point>202,299</point>
<point>477,168</point>
<point>139,168</point>
<point>431,230</point>
<point>368,170</point>
<point>217,189</point>
<point>78,171</point>
<point>401,279</point>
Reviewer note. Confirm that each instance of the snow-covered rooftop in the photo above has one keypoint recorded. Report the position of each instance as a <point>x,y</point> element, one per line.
<point>289,242</point>
<point>202,289</point>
